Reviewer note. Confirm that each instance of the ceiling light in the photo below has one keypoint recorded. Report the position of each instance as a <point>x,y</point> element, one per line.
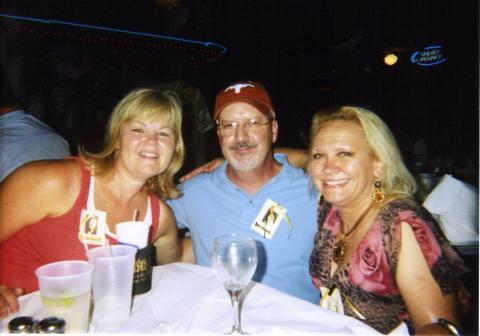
<point>390,59</point>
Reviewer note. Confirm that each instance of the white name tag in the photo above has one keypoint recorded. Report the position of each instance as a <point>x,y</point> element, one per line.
<point>92,228</point>
<point>268,219</point>
<point>331,299</point>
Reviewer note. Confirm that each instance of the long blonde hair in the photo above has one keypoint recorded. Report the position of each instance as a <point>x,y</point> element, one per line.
<point>142,104</point>
<point>396,179</point>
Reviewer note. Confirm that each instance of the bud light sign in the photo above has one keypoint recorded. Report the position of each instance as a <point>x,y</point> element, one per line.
<point>428,56</point>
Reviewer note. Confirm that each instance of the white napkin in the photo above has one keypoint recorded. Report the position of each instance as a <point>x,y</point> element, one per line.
<point>455,205</point>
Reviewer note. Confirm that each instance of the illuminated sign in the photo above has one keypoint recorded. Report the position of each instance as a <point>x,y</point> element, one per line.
<point>428,56</point>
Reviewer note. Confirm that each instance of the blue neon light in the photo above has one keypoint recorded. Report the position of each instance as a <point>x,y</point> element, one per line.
<point>429,56</point>
<point>116,30</point>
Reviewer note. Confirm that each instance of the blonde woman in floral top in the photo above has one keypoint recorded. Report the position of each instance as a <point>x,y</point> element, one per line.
<point>379,256</point>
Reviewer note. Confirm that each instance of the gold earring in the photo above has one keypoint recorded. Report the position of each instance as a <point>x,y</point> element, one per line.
<point>378,195</point>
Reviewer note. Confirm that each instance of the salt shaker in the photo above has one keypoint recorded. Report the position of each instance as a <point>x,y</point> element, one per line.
<point>22,325</point>
<point>51,325</point>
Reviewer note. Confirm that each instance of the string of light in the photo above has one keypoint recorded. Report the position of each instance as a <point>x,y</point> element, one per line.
<point>206,44</point>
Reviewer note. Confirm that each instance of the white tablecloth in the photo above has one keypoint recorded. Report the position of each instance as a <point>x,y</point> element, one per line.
<point>188,298</point>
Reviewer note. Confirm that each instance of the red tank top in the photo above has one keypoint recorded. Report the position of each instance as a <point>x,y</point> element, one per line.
<point>51,239</point>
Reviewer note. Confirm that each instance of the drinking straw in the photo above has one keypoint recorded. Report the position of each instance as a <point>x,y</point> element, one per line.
<point>135,215</point>
<point>107,243</point>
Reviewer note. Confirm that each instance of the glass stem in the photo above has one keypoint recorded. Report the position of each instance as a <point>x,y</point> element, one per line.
<point>235,297</point>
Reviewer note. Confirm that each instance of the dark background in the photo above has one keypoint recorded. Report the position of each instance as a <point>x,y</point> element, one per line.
<point>309,55</point>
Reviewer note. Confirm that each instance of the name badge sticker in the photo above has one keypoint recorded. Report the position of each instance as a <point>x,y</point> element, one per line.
<point>331,299</point>
<point>92,228</point>
<point>268,219</point>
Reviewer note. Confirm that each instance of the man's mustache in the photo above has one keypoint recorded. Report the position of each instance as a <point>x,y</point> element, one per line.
<point>242,145</point>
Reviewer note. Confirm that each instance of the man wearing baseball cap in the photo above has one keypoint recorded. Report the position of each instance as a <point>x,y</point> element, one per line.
<point>253,192</point>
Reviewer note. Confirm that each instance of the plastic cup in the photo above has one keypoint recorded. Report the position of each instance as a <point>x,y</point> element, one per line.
<point>65,288</point>
<point>132,233</point>
<point>135,233</point>
<point>112,285</point>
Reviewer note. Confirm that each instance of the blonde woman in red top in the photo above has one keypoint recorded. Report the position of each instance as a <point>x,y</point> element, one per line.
<point>44,205</point>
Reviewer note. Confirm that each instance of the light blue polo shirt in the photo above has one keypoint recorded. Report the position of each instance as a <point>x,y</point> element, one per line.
<point>212,205</point>
<point>24,138</point>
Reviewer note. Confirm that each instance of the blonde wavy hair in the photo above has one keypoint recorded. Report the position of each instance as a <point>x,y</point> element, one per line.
<point>396,179</point>
<point>142,104</point>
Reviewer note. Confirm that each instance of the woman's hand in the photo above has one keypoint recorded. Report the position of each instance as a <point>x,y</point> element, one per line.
<point>205,168</point>
<point>8,300</point>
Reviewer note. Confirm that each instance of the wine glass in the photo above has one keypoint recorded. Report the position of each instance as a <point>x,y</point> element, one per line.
<point>234,260</point>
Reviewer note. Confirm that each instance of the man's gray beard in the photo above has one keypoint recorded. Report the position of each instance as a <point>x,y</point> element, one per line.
<point>242,165</point>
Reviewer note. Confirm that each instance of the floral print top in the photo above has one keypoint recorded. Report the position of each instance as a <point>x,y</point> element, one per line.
<point>367,281</point>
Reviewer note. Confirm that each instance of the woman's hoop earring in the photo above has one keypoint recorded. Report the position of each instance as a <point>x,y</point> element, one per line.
<point>378,194</point>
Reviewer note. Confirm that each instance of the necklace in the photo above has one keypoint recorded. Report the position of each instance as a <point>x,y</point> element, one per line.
<point>341,246</point>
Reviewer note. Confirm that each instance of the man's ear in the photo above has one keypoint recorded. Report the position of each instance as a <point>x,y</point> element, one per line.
<point>274,130</point>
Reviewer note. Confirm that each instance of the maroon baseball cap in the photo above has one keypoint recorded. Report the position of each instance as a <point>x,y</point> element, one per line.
<point>248,92</point>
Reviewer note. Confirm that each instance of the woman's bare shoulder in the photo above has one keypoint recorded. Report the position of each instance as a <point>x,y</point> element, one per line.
<point>49,172</point>
<point>166,218</point>
<point>55,181</point>
<point>37,190</point>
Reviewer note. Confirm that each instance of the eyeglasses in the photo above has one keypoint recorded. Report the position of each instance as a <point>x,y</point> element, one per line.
<point>251,125</point>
